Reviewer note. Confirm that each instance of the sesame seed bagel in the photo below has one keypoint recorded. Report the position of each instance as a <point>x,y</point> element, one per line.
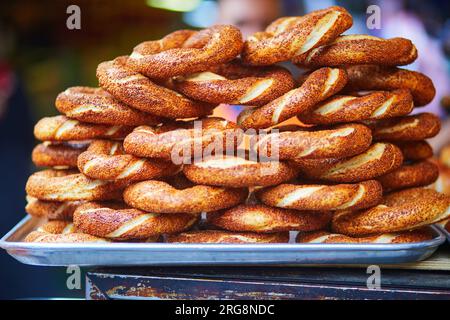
<point>318,86</point>
<point>376,105</point>
<point>338,142</point>
<point>236,83</point>
<point>106,160</point>
<point>139,92</point>
<point>417,174</point>
<point>185,51</point>
<point>57,226</point>
<point>375,77</point>
<point>360,49</point>
<point>322,197</point>
<point>261,218</point>
<point>183,139</point>
<point>378,160</point>
<point>399,211</point>
<point>95,105</point>
<point>409,128</point>
<point>52,210</point>
<point>44,237</point>
<point>236,172</point>
<point>415,150</point>
<point>58,155</point>
<point>61,128</point>
<point>288,37</point>
<point>419,235</point>
<point>162,197</point>
<point>68,185</point>
<point>119,222</point>
<point>216,236</point>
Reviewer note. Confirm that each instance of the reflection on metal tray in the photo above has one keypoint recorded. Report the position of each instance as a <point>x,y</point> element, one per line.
<point>444,231</point>
<point>141,254</point>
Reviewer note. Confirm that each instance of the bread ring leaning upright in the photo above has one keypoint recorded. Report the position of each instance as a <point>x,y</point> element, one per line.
<point>288,37</point>
<point>318,86</point>
<point>185,51</point>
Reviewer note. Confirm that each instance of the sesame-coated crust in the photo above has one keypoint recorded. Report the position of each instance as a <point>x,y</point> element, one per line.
<point>178,137</point>
<point>375,105</point>
<point>360,49</point>
<point>373,77</point>
<point>337,142</point>
<point>59,155</point>
<point>399,211</point>
<point>65,185</point>
<point>417,174</point>
<point>322,197</point>
<point>57,227</point>
<point>52,210</point>
<point>240,175</point>
<point>216,236</point>
<point>95,105</point>
<point>415,150</point>
<point>123,223</point>
<point>288,37</point>
<point>409,128</point>
<point>61,128</point>
<point>237,84</point>
<point>262,219</point>
<point>44,237</point>
<point>379,159</point>
<point>161,197</point>
<point>106,160</point>
<point>141,93</point>
<point>318,86</point>
<point>185,51</point>
<point>419,235</point>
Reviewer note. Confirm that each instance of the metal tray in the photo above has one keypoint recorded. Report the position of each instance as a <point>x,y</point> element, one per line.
<point>148,254</point>
<point>444,231</point>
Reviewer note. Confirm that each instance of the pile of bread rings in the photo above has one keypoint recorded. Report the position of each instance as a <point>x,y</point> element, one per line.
<point>122,159</point>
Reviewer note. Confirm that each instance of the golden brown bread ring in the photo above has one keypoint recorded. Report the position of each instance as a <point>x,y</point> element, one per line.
<point>419,235</point>
<point>360,49</point>
<point>218,236</point>
<point>288,37</point>
<point>141,93</point>
<point>318,86</point>
<point>185,51</point>
<point>44,237</point>
<point>68,185</point>
<point>409,128</point>
<point>399,211</point>
<point>236,172</point>
<point>322,197</point>
<point>444,156</point>
<point>375,105</point>
<point>415,150</point>
<point>106,160</point>
<point>58,155</point>
<point>418,174</point>
<point>378,160</point>
<point>52,210</point>
<point>236,83</point>
<point>182,139</point>
<point>119,222</point>
<point>337,142</point>
<point>374,77</point>
<point>95,105</point>
<point>61,128</point>
<point>162,197</point>
<point>264,219</point>
<point>57,227</point>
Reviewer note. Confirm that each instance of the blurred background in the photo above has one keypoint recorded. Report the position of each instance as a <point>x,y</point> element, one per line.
<point>40,57</point>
